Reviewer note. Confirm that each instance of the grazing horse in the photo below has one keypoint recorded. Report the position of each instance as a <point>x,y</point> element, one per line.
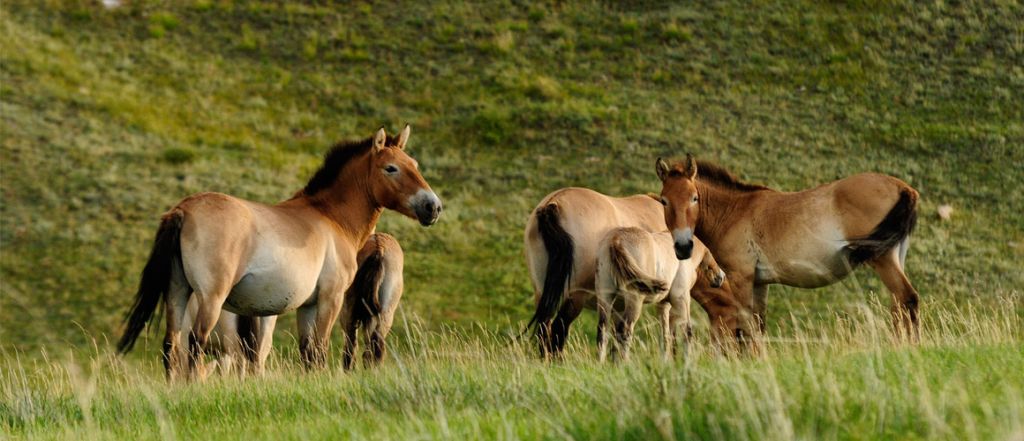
<point>562,237</point>
<point>806,239</point>
<point>372,300</point>
<point>636,267</point>
<point>262,260</point>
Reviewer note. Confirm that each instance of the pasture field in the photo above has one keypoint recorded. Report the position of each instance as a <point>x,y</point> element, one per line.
<point>110,116</point>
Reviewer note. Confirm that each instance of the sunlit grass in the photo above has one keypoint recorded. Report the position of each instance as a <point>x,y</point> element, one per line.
<point>841,379</point>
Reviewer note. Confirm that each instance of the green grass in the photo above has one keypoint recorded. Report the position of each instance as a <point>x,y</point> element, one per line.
<point>842,381</point>
<point>109,117</point>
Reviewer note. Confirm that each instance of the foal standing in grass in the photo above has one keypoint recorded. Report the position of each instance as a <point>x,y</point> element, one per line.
<point>636,267</point>
<point>260,260</point>
<point>807,239</point>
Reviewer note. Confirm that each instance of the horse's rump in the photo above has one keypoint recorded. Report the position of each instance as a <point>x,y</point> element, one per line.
<point>365,288</point>
<point>156,278</point>
<point>626,270</point>
<point>559,246</point>
<point>893,229</point>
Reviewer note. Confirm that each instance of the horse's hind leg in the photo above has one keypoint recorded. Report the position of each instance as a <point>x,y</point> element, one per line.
<point>625,323</point>
<point>905,297</point>
<point>210,304</point>
<point>177,319</point>
<point>559,329</point>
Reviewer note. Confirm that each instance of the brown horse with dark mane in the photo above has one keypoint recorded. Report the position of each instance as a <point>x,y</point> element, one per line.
<point>807,239</point>
<point>262,260</point>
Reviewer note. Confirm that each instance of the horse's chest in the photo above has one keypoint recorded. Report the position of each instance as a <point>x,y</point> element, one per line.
<point>271,287</point>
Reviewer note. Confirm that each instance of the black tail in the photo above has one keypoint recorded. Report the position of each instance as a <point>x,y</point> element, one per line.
<point>559,246</point>
<point>156,279</point>
<point>896,226</point>
<point>366,287</point>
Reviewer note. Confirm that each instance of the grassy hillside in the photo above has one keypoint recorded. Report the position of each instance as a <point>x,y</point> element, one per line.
<point>109,117</point>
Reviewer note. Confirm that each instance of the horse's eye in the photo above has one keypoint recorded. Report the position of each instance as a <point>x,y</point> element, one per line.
<point>391,169</point>
<point>664,202</point>
<point>695,199</point>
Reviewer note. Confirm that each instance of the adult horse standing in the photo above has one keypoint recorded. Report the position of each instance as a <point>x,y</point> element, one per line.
<point>260,260</point>
<point>806,239</point>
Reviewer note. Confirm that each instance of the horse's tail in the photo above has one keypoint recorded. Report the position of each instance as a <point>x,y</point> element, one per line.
<point>365,287</point>
<point>893,229</point>
<point>627,272</point>
<point>156,278</point>
<point>559,247</point>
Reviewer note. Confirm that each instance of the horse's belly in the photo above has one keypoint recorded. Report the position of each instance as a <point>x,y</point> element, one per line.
<point>269,293</point>
<point>813,272</point>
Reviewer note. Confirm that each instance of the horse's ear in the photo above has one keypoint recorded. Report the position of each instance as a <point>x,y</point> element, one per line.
<point>691,167</point>
<point>379,139</point>
<point>662,168</point>
<point>403,138</point>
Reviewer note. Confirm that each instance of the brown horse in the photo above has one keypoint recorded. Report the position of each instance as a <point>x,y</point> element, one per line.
<point>243,343</point>
<point>636,267</point>
<point>260,260</point>
<point>805,239</point>
<point>562,237</point>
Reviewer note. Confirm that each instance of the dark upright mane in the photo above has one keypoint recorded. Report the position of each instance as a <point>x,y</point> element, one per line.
<point>715,174</point>
<point>335,160</point>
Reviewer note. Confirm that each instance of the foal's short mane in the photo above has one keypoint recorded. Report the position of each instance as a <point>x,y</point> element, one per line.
<point>717,175</point>
<point>335,160</point>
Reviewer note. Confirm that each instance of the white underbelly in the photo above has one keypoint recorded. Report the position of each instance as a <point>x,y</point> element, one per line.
<point>275,281</point>
<point>269,293</point>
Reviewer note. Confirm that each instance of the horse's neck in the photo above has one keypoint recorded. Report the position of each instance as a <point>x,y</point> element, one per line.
<point>348,204</point>
<point>720,208</point>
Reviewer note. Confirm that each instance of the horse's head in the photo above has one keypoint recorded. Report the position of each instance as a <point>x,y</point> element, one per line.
<point>395,181</point>
<point>679,196</point>
<point>732,325</point>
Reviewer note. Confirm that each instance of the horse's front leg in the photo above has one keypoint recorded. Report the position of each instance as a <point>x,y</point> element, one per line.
<point>678,318</point>
<point>603,317</point>
<point>760,292</point>
<point>316,322</point>
<point>264,343</point>
<point>350,326</point>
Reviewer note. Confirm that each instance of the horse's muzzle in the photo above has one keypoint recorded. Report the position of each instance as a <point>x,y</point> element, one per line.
<point>683,243</point>
<point>684,250</point>
<point>428,210</point>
